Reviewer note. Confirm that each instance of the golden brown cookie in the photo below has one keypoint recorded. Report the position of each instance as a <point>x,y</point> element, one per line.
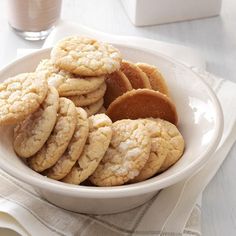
<point>89,98</point>
<point>126,155</point>
<point>85,56</point>
<point>117,84</point>
<point>156,79</point>
<point>136,76</point>
<point>31,134</point>
<point>80,86</point>
<point>59,139</point>
<point>93,108</point>
<point>175,143</point>
<point>20,96</point>
<point>74,149</point>
<point>99,138</point>
<point>159,149</point>
<point>102,110</point>
<point>142,103</point>
<point>66,83</point>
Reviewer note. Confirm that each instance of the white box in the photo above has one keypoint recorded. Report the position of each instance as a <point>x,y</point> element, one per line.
<point>150,12</point>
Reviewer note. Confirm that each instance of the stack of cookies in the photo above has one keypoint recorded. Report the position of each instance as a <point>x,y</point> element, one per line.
<point>77,69</point>
<point>133,76</point>
<point>59,130</point>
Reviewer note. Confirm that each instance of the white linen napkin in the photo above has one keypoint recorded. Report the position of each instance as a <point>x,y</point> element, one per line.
<point>174,211</point>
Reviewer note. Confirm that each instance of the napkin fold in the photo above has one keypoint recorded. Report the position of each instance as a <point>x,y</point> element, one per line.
<point>174,211</point>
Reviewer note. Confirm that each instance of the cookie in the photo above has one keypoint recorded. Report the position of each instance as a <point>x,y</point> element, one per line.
<point>66,83</point>
<point>59,139</point>
<point>159,150</point>
<point>74,149</point>
<point>136,76</point>
<point>20,96</point>
<point>89,98</point>
<point>85,56</point>
<point>142,103</point>
<point>99,138</point>
<point>102,110</point>
<point>175,143</point>
<point>80,86</point>
<point>93,108</point>
<point>155,78</point>
<point>126,155</point>
<point>31,134</point>
<point>117,84</point>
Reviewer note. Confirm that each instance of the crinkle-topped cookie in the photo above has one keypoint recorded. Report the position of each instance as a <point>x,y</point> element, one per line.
<point>59,139</point>
<point>99,138</point>
<point>74,149</point>
<point>175,143</point>
<point>20,96</point>
<point>89,98</point>
<point>31,134</point>
<point>93,108</point>
<point>126,155</point>
<point>66,83</point>
<point>85,56</point>
<point>159,149</point>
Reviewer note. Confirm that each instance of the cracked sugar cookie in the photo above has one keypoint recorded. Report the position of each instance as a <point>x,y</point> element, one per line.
<point>159,149</point>
<point>20,96</point>
<point>66,83</point>
<point>142,103</point>
<point>85,56</point>
<point>175,143</point>
<point>59,139</point>
<point>126,155</point>
<point>93,108</point>
<point>31,134</point>
<point>89,98</point>
<point>99,138</point>
<point>156,79</point>
<point>74,149</point>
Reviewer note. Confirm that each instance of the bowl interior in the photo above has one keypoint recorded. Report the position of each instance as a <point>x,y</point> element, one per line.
<point>200,122</point>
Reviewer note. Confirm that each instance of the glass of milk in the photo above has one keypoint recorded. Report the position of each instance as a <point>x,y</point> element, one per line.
<point>33,19</point>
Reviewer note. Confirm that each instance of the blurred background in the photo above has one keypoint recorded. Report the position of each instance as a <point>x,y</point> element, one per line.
<point>214,37</point>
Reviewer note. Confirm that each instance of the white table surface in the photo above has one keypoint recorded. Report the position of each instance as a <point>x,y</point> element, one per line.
<point>214,38</point>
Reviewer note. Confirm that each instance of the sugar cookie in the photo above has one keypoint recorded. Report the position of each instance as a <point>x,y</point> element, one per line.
<point>85,56</point>
<point>89,98</point>
<point>93,108</point>
<point>74,149</point>
<point>66,83</point>
<point>59,139</point>
<point>99,138</point>
<point>20,96</point>
<point>159,150</point>
<point>126,155</point>
<point>31,134</point>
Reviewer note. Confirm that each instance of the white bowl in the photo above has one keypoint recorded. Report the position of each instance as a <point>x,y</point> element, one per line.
<point>200,122</point>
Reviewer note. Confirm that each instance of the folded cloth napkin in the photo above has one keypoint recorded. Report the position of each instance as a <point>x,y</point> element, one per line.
<point>174,211</point>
